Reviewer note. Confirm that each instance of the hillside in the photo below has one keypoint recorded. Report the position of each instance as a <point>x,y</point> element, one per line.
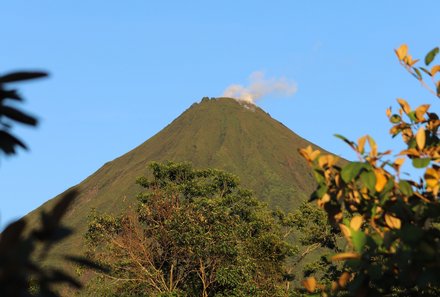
<point>218,133</point>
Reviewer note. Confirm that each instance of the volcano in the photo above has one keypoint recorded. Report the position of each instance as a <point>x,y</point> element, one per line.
<point>220,133</point>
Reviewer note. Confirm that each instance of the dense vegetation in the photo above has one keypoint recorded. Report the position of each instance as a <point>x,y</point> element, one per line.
<point>194,233</point>
<point>391,223</point>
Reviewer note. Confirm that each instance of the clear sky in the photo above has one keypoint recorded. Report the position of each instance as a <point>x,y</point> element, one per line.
<point>122,70</point>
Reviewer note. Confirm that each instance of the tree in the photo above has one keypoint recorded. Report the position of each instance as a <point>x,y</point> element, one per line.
<point>194,233</point>
<point>391,224</point>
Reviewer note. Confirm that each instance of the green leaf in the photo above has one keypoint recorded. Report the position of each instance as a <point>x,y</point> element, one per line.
<point>412,116</point>
<point>425,70</point>
<point>412,143</point>
<point>388,186</point>
<point>421,162</point>
<point>418,74</point>
<point>431,55</point>
<point>395,118</point>
<point>359,239</point>
<point>322,189</point>
<point>319,175</point>
<point>351,170</point>
<point>368,178</point>
<point>405,188</point>
<point>350,143</point>
<point>378,240</point>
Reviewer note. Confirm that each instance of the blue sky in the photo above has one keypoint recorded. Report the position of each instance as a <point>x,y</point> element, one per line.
<point>122,70</point>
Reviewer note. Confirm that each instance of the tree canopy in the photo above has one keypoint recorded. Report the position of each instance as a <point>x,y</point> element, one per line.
<point>193,233</point>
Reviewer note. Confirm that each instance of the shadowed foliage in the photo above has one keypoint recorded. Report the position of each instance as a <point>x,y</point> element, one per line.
<point>10,114</point>
<point>24,248</point>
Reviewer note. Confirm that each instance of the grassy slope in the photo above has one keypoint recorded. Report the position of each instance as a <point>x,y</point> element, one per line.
<point>219,133</point>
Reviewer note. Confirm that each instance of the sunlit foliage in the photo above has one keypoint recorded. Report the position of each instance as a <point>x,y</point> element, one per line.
<point>390,222</point>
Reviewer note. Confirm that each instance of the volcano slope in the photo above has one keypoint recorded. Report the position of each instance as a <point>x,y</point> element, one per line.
<point>217,133</point>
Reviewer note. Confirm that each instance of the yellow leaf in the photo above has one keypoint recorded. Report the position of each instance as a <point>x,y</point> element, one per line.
<point>373,146</point>
<point>399,162</point>
<point>361,144</point>
<point>343,279</point>
<point>345,256</point>
<point>388,112</point>
<point>421,138</point>
<point>431,178</point>
<point>356,222</point>
<point>324,200</point>
<point>338,217</point>
<point>420,112</point>
<point>381,180</point>
<point>402,51</point>
<point>405,106</point>
<point>346,231</point>
<point>309,154</point>
<point>435,69</point>
<point>410,152</point>
<point>310,284</point>
<point>315,154</point>
<point>413,62</point>
<point>407,134</point>
<point>409,61</point>
<point>392,222</point>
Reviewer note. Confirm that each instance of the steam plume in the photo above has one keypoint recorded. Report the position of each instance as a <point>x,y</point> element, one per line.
<point>259,86</point>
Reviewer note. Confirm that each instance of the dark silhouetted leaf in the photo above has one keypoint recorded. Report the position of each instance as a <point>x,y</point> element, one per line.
<point>50,221</point>
<point>9,142</point>
<point>17,115</point>
<point>20,76</point>
<point>85,262</point>
<point>61,207</point>
<point>59,276</point>
<point>12,234</point>
<point>12,94</point>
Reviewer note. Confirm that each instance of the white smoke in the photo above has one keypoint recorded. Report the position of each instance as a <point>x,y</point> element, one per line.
<point>259,87</point>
